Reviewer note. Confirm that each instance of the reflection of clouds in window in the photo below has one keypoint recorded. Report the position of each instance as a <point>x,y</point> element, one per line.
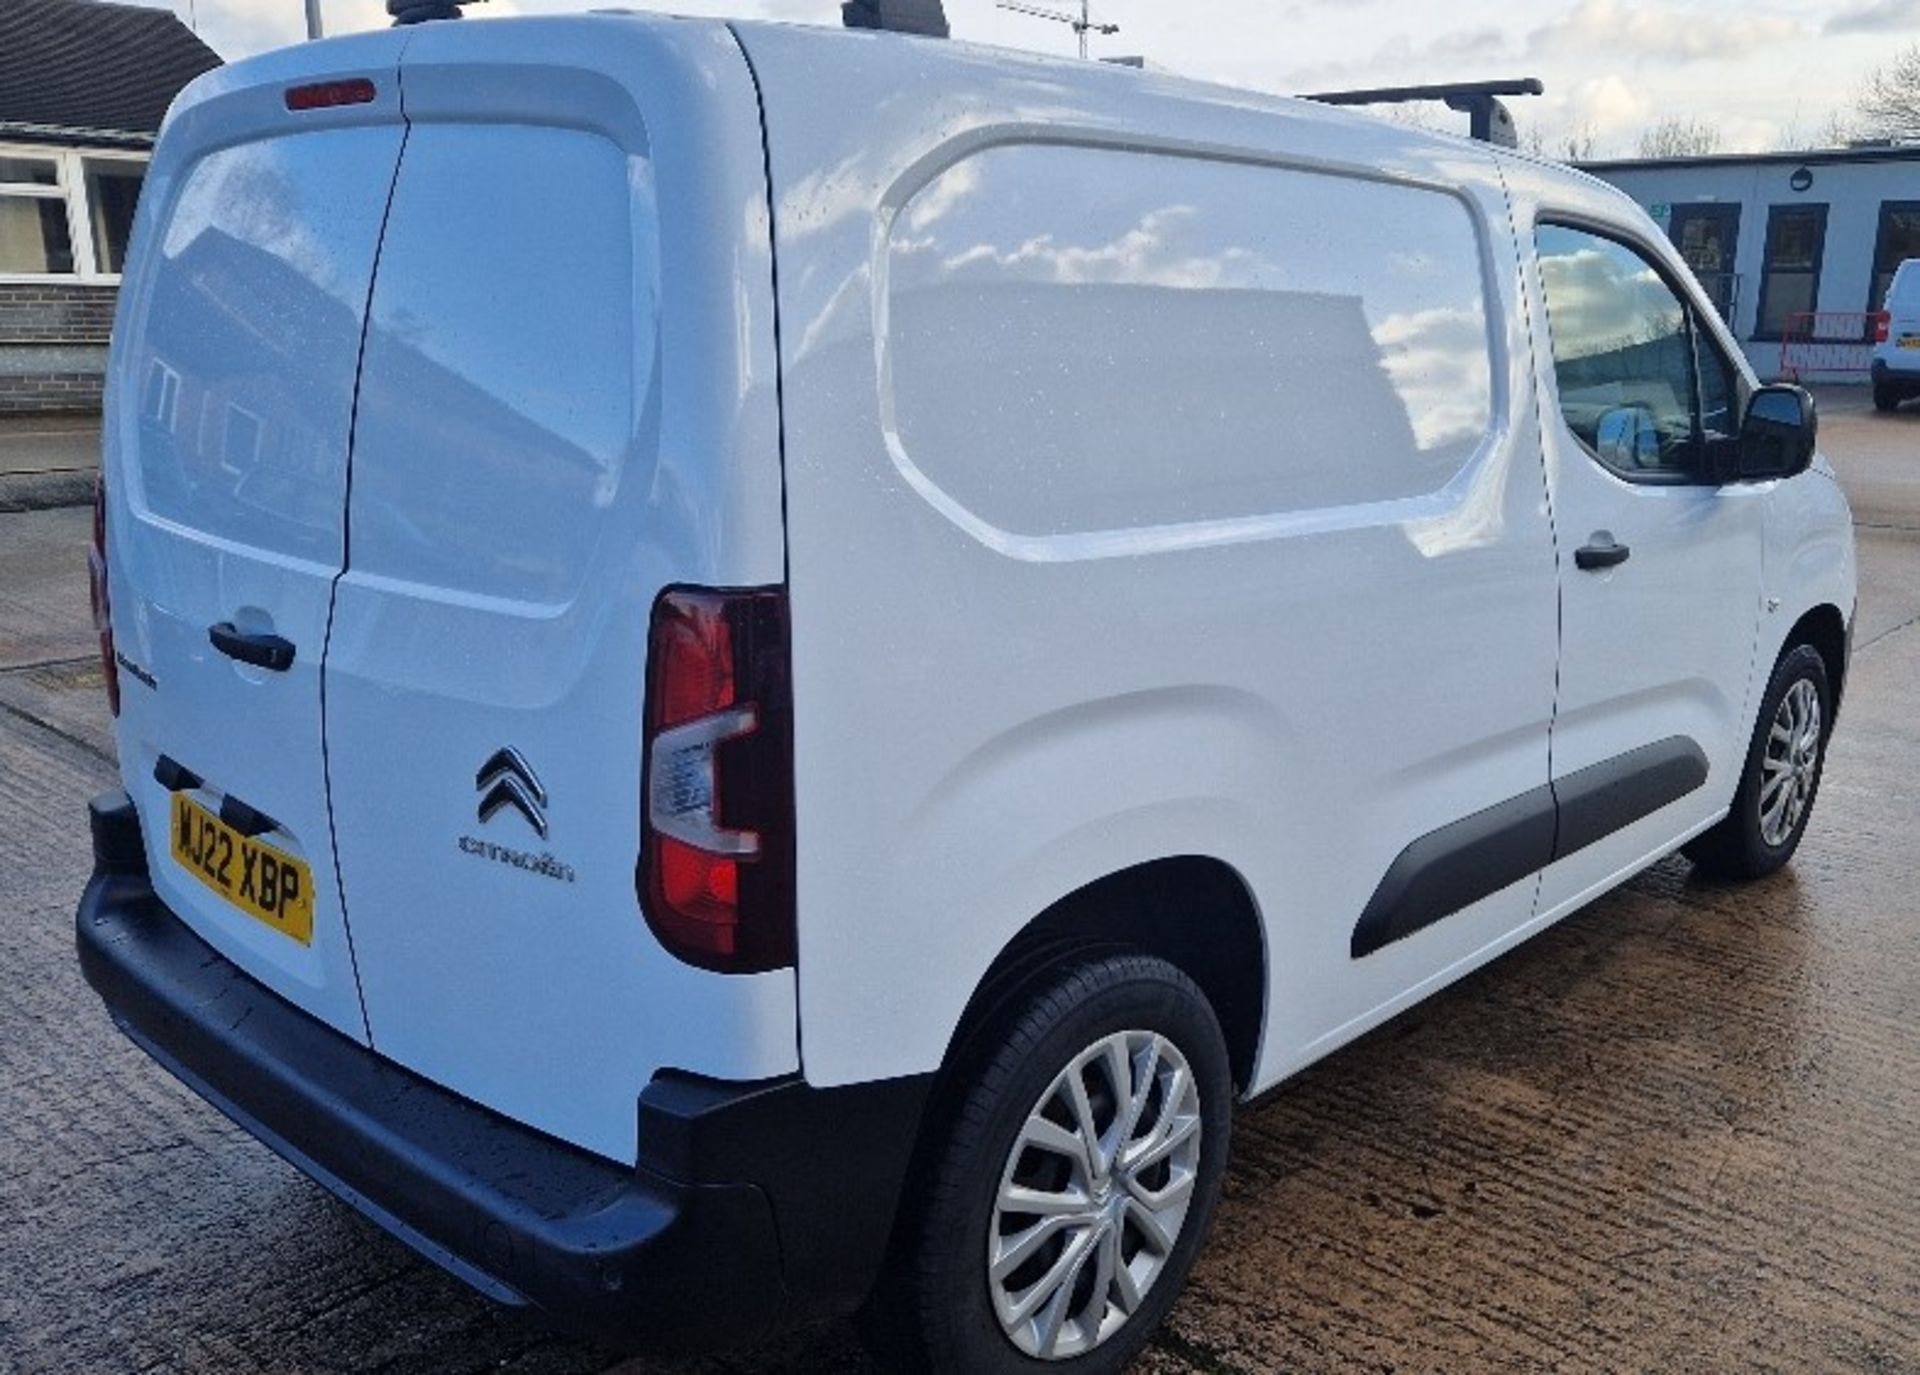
<point>1407,259</point>
<point>1144,255</point>
<point>1623,366</point>
<point>1438,362</point>
<point>947,191</point>
<point>1081,340</point>
<point>252,194</point>
<point>1602,302</point>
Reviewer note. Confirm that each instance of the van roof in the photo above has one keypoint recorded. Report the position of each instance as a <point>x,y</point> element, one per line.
<point>924,56</point>
<point>1166,82</point>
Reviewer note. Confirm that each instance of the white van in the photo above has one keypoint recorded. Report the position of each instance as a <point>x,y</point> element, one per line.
<point>1896,355</point>
<point>761,668</point>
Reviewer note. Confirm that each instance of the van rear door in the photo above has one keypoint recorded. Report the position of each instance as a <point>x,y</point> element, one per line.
<point>229,410</point>
<point>1903,316</point>
<point>566,405</point>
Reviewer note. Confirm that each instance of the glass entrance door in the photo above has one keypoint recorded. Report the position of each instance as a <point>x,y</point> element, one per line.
<point>1707,237</point>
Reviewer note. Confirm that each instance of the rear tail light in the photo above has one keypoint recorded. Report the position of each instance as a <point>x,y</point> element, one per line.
<point>1882,322</point>
<point>716,851</point>
<point>97,586</point>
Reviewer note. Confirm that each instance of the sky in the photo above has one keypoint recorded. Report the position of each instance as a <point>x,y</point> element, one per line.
<point>1764,75</point>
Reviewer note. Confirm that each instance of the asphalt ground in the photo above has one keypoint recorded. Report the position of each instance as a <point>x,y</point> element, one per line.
<point>47,460</point>
<point>1679,1131</point>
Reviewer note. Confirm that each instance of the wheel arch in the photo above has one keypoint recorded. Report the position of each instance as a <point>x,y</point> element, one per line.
<point>1220,945</point>
<point>1825,629</point>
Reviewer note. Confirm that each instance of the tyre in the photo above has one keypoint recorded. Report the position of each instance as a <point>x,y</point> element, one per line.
<point>1072,1181</point>
<point>1885,398</point>
<point>1782,775</point>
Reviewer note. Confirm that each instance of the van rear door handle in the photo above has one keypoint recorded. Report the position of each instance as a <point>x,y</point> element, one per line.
<point>259,649</point>
<point>1604,552</point>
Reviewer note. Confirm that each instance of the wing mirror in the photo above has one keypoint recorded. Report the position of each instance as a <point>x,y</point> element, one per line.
<point>1777,437</point>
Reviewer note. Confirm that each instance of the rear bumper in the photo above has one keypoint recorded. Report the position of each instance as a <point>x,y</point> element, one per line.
<point>681,1251</point>
<point>1885,373</point>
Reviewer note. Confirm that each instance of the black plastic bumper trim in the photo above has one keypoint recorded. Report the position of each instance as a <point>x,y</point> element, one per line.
<point>681,1252</point>
<point>832,1162</point>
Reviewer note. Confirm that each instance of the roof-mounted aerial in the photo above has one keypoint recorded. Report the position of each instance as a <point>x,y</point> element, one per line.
<point>927,18</point>
<point>1480,100</point>
<point>420,11</point>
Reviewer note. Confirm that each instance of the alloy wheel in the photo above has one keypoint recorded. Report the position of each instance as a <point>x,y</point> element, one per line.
<point>1791,766</point>
<point>1094,1195</point>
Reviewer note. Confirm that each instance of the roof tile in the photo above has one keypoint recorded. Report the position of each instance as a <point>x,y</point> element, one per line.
<point>87,64</point>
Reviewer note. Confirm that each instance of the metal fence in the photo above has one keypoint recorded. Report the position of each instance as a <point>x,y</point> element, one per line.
<point>1829,343</point>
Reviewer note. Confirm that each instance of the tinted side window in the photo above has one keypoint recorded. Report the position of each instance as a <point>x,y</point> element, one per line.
<point>1623,354</point>
<point>1087,340</point>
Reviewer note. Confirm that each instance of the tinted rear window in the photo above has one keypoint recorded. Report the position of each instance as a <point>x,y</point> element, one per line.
<point>247,337</point>
<point>511,334</point>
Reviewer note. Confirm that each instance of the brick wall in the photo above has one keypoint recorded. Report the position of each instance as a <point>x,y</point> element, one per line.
<point>53,340</point>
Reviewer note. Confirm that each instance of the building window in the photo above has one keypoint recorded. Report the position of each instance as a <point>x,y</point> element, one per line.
<point>1708,237</point>
<point>113,190</point>
<point>35,239</point>
<point>66,214</point>
<point>1899,239</point>
<point>1790,274</point>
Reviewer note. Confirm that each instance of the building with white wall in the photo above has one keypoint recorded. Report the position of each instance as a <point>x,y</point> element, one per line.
<point>1771,235</point>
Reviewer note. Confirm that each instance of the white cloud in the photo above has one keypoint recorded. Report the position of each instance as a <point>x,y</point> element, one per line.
<point>1608,104</point>
<point>1619,29</point>
<point>1876,16</point>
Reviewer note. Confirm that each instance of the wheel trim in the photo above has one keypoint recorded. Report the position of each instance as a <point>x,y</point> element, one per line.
<point>1790,767</point>
<point>1094,1195</point>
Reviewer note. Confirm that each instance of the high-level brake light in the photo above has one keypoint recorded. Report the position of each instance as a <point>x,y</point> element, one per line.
<point>325,95</point>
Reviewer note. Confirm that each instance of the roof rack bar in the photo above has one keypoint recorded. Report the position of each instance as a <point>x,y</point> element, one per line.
<point>1388,95</point>
<point>925,17</point>
<point>1480,100</point>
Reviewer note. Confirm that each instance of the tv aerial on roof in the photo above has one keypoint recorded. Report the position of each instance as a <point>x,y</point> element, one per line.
<point>1083,23</point>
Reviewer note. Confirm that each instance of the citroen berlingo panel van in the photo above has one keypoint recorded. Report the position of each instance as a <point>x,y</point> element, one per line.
<point>760,670</point>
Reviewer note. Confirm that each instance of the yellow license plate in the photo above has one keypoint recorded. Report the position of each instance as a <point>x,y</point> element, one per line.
<point>269,885</point>
<point>1911,341</point>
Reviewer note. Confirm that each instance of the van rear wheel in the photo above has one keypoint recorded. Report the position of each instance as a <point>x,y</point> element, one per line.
<point>1081,1165</point>
<point>1885,398</point>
